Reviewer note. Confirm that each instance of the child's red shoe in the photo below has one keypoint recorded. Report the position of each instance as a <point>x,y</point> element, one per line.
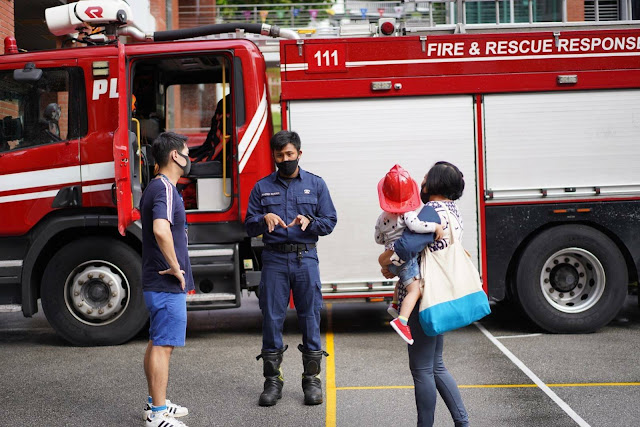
<point>403,330</point>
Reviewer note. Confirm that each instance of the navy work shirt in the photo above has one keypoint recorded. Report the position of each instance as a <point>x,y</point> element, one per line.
<point>306,194</point>
<point>161,200</point>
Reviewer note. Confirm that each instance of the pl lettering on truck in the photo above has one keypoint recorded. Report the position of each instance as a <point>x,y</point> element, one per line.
<point>102,86</point>
<point>550,46</point>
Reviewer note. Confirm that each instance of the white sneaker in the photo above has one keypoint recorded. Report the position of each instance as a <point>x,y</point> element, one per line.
<point>174,410</point>
<point>163,420</point>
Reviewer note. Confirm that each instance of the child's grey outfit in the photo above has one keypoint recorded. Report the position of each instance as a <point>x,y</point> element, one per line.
<point>389,228</point>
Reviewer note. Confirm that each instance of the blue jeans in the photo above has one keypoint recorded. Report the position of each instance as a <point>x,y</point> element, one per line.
<point>430,374</point>
<point>406,272</point>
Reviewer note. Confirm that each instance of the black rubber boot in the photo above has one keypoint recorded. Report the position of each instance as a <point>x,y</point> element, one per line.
<point>311,384</point>
<point>273,380</point>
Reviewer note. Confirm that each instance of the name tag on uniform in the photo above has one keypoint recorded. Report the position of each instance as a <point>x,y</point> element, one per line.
<point>277,193</point>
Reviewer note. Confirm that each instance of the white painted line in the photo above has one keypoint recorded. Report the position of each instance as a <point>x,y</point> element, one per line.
<point>517,336</point>
<point>353,64</point>
<point>254,124</point>
<point>561,403</point>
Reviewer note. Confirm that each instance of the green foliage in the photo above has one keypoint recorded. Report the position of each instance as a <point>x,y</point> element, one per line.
<point>277,11</point>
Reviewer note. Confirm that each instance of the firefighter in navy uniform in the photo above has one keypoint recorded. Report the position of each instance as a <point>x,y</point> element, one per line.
<point>290,208</point>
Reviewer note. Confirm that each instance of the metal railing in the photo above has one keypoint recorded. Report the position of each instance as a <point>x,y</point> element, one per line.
<point>295,15</point>
<point>426,13</point>
<point>303,15</point>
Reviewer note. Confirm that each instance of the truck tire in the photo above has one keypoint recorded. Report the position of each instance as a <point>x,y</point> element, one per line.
<point>92,293</point>
<point>571,279</point>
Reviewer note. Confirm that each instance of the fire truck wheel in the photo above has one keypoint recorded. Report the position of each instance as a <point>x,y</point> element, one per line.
<point>571,279</point>
<point>91,292</point>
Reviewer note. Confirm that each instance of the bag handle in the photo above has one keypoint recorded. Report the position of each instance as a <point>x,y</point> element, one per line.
<point>449,220</point>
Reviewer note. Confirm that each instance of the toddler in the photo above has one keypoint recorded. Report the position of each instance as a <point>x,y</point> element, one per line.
<point>399,198</point>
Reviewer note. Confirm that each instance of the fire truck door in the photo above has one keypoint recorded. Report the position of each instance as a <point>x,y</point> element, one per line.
<point>126,153</point>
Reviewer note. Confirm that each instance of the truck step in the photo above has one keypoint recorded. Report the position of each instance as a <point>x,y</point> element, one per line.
<point>10,308</point>
<point>221,296</point>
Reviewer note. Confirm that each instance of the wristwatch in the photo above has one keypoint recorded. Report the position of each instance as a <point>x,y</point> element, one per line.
<point>310,217</point>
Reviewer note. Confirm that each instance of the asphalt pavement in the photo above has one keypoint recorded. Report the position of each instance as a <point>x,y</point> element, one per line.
<point>508,371</point>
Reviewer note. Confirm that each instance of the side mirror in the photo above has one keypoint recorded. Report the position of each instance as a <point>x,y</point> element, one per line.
<point>28,74</point>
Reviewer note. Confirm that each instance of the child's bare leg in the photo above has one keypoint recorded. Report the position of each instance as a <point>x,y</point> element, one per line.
<point>393,307</point>
<point>409,301</point>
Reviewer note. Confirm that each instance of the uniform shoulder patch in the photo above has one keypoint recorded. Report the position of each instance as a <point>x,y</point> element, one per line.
<point>271,177</point>
<point>313,174</point>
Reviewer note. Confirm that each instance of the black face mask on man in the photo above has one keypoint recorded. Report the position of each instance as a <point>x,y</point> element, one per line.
<point>186,168</point>
<point>287,167</point>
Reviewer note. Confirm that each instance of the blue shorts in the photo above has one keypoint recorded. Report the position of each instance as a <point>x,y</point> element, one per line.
<point>407,272</point>
<point>168,313</point>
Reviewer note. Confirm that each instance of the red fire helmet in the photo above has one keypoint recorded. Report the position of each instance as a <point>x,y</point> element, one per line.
<point>398,192</point>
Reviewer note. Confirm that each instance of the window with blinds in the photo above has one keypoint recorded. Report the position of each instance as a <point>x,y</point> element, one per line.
<point>608,10</point>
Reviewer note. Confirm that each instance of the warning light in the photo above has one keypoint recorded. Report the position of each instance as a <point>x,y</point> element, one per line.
<point>10,46</point>
<point>387,26</point>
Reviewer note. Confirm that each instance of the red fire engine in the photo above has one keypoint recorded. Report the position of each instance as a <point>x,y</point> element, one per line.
<point>544,125</point>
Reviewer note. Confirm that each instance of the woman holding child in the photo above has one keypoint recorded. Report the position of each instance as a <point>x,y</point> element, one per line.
<point>442,185</point>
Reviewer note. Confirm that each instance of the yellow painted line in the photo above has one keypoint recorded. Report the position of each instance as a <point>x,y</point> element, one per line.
<point>380,387</point>
<point>392,387</point>
<point>330,373</point>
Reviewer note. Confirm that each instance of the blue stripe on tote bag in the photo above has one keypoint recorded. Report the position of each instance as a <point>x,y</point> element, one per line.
<point>452,294</point>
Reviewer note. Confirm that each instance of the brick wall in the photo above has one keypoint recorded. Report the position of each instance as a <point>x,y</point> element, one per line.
<point>8,108</point>
<point>63,122</point>
<point>7,28</point>
<point>575,10</point>
<point>6,19</point>
<point>195,13</point>
<point>159,11</point>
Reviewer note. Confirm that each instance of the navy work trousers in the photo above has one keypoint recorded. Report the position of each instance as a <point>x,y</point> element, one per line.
<point>430,374</point>
<point>281,274</point>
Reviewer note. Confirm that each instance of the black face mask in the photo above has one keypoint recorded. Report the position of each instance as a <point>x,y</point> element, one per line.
<point>423,195</point>
<point>287,167</point>
<point>186,168</point>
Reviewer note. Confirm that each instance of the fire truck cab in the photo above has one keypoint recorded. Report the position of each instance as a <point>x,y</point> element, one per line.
<point>74,153</point>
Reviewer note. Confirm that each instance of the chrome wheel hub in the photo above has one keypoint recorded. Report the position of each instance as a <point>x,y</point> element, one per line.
<point>572,280</point>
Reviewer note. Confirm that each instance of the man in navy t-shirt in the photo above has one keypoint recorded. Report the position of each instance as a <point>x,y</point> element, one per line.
<point>166,273</point>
